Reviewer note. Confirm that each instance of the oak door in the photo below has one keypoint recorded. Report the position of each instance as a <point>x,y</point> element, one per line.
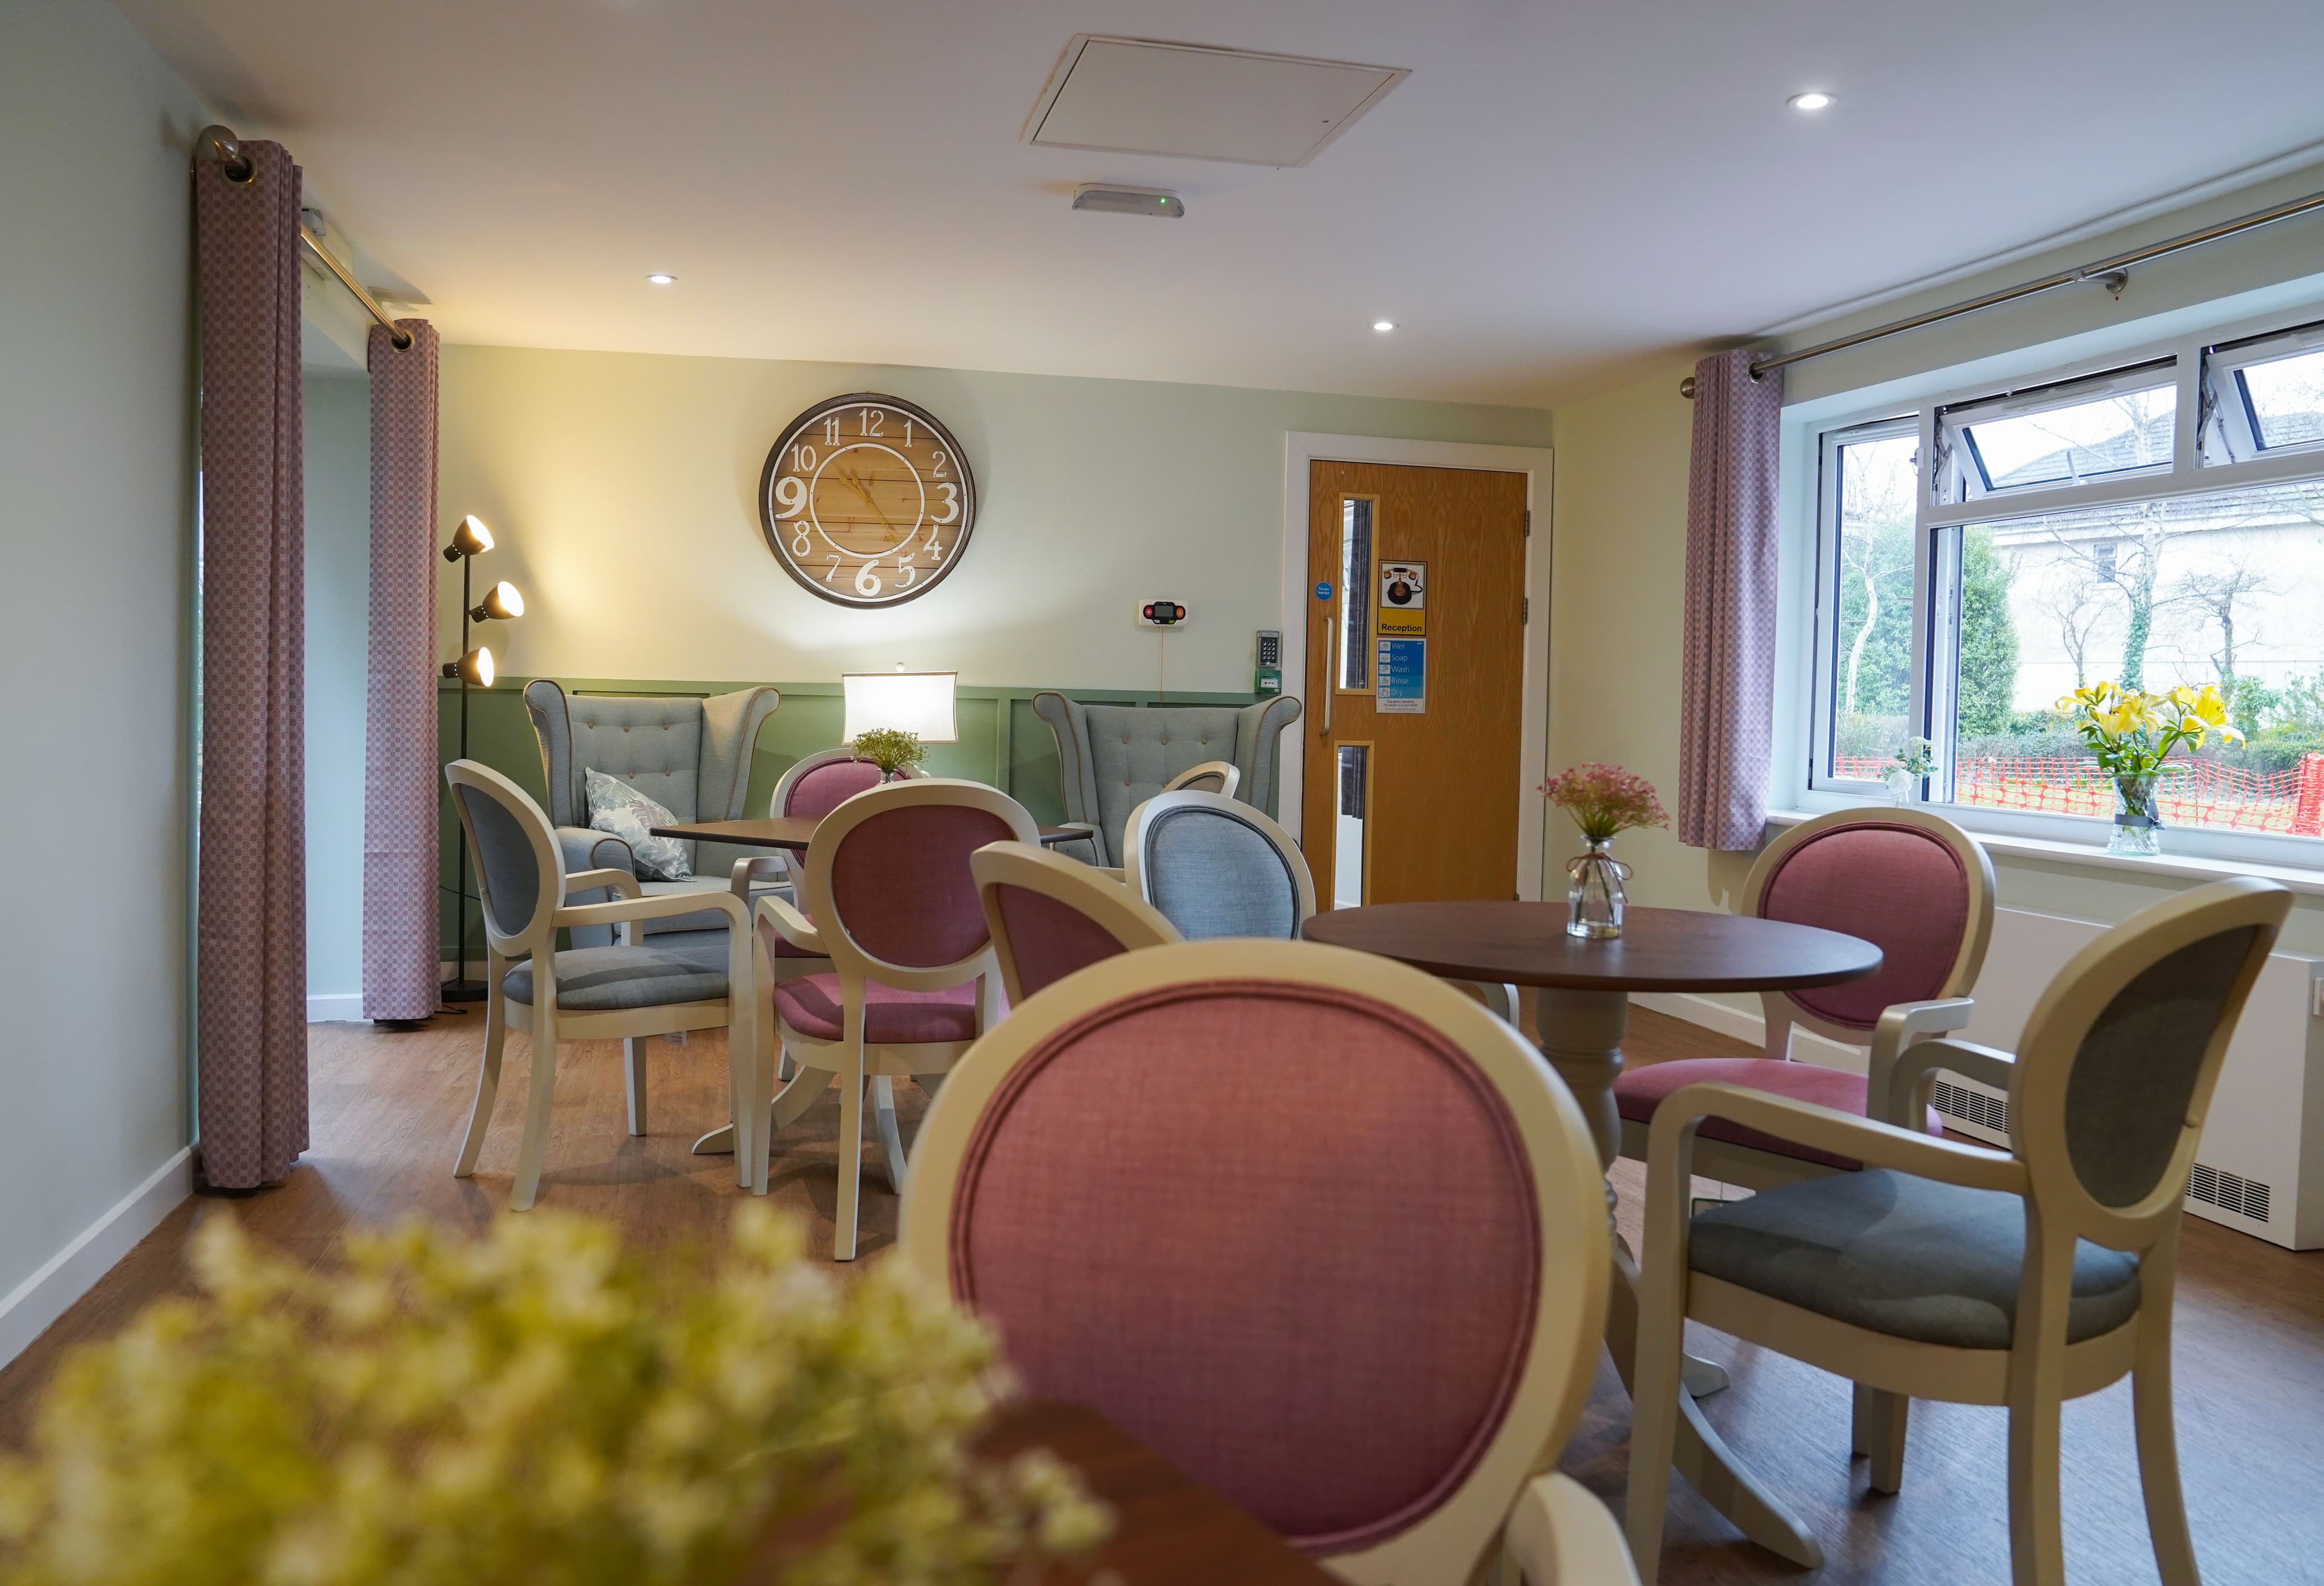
<point>1415,669</point>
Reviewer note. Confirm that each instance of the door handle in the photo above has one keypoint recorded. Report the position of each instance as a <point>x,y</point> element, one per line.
<point>1325,731</point>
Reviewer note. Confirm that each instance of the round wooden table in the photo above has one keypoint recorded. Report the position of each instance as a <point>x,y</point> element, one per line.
<point>1580,1014</point>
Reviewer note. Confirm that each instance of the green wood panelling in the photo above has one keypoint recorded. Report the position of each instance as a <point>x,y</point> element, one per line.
<point>1002,743</point>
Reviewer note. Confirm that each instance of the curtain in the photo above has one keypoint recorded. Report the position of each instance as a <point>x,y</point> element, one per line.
<point>251,995</point>
<point>1728,666</point>
<point>401,945</point>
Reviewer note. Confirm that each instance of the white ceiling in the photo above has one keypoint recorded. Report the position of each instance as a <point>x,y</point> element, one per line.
<point>1560,194</point>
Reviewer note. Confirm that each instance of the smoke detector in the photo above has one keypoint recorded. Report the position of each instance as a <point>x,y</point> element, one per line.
<point>1107,200</point>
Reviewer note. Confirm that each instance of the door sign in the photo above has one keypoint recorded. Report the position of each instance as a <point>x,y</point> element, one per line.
<point>1403,600</point>
<point>1400,680</point>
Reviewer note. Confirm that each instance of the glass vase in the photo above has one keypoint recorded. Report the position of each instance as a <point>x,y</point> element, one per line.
<point>1594,902</point>
<point>1902,785</point>
<point>2137,817</point>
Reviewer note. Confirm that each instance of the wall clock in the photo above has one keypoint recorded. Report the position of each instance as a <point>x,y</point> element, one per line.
<point>867,501</point>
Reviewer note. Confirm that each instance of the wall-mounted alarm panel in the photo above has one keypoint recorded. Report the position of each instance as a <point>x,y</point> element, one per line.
<point>1162,614</point>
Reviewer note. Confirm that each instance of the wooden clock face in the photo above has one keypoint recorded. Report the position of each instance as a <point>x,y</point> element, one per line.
<point>867,501</point>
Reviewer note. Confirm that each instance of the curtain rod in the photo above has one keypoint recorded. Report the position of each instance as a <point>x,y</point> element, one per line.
<point>2113,273</point>
<point>220,145</point>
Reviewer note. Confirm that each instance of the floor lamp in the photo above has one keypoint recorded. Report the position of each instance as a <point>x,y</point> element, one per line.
<point>474,669</point>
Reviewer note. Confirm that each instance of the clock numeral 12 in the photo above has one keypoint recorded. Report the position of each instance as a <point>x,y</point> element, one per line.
<point>873,421</point>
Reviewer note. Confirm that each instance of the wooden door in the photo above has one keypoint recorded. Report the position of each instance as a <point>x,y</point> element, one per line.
<point>1410,800</point>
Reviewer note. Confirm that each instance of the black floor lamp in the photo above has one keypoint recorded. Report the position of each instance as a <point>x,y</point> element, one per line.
<point>474,669</point>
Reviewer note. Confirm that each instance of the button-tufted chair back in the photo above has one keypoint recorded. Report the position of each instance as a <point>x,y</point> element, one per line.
<point>1113,758</point>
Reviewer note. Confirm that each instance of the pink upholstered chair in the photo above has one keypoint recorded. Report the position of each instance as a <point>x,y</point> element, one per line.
<point>1051,916</point>
<point>891,903</point>
<point>1913,883</point>
<point>1300,1306</point>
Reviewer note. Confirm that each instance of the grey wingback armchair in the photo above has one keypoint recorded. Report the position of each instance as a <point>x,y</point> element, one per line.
<point>690,755</point>
<point>1112,758</point>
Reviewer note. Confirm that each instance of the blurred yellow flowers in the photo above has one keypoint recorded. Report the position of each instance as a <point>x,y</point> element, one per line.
<point>2133,732</point>
<point>533,1407</point>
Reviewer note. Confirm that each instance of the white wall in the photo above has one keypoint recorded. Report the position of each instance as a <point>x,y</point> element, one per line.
<point>624,487</point>
<point>96,453</point>
<point>338,617</point>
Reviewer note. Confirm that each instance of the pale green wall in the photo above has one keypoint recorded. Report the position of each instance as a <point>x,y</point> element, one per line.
<point>1620,499</point>
<point>623,488</point>
<point>339,622</point>
<point>96,404</point>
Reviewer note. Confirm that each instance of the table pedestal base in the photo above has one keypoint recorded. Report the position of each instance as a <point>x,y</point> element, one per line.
<point>1581,1034</point>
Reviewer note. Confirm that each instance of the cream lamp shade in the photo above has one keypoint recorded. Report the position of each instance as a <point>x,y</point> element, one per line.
<point>918,703</point>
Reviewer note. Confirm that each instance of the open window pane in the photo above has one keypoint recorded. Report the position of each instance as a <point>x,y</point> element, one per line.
<point>1355,593</point>
<point>2096,437</point>
<point>1870,659</point>
<point>2224,590</point>
<point>2285,399</point>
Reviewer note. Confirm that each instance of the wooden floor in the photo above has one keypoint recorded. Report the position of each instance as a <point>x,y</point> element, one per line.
<point>388,1110</point>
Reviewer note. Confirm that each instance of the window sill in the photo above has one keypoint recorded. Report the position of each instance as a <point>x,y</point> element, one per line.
<point>2306,881</point>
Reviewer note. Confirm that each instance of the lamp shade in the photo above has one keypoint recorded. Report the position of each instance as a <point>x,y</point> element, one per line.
<point>475,666</point>
<point>470,539</point>
<point>918,703</point>
<point>502,600</point>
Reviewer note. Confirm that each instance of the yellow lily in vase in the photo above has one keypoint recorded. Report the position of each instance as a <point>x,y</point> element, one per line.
<point>2131,733</point>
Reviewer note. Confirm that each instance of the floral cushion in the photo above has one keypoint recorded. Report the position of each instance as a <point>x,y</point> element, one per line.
<point>617,808</point>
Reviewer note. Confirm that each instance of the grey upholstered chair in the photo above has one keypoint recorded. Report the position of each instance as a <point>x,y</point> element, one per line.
<point>1215,867</point>
<point>686,980</point>
<point>690,755</point>
<point>1113,758</point>
<point>1943,1271</point>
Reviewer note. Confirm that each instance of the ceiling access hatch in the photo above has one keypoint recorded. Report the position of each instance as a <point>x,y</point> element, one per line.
<point>1138,96</point>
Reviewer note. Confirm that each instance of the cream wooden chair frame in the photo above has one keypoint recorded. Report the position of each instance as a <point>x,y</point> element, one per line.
<point>1225,774</point>
<point>1550,1527</point>
<point>2041,1369</point>
<point>1134,870</point>
<point>1900,1025</point>
<point>509,937</point>
<point>851,1061</point>
<point>1106,904</point>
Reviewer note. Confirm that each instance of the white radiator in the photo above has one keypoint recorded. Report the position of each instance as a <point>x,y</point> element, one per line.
<point>2260,1167</point>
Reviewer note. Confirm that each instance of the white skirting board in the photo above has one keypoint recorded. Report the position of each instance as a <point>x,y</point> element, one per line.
<point>73,1271</point>
<point>2260,1165</point>
<point>330,1010</point>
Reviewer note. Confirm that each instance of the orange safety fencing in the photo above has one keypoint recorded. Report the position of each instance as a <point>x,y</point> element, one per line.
<point>2194,792</point>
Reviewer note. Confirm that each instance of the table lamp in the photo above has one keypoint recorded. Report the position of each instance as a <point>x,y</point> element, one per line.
<point>918,703</point>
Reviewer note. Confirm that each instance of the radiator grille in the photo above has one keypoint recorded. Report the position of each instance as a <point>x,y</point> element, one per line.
<point>1987,1111</point>
<point>2229,1192</point>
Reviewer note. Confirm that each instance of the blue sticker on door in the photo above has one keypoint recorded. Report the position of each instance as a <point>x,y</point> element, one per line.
<point>1400,679</point>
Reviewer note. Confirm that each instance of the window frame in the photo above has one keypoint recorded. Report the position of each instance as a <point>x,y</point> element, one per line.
<point>1942,506</point>
<point>2227,358</point>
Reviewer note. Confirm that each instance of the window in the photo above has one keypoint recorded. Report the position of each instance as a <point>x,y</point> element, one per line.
<point>1355,660</point>
<point>2063,534</point>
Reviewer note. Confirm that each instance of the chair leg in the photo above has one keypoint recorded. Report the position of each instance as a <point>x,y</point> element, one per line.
<point>2158,1442</point>
<point>539,1102</point>
<point>851,1146</point>
<point>1880,1422</point>
<point>891,1141</point>
<point>2037,1370</point>
<point>488,1079</point>
<point>1653,1416</point>
<point>633,1051</point>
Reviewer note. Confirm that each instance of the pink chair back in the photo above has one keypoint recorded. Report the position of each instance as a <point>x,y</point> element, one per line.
<point>1050,937</point>
<point>1903,886</point>
<point>1322,1311</point>
<point>900,884</point>
<point>822,789</point>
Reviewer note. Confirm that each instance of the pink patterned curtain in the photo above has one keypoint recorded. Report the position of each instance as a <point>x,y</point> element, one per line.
<point>251,1000</point>
<point>400,934</point>
<point>1728,669</point>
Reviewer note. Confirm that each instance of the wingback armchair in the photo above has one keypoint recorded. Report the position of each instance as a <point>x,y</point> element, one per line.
<point>690,755</point>
<point>1113,758</point>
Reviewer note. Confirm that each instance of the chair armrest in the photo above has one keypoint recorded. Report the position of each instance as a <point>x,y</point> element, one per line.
<point>590,881</point>
<point>660,906</point>
<point>1560,1535</point>
<point>750,873</point>
<point>586,848</point>
<point>1901,1025</point>
<point>1918,1066</point>
<point>1112,873</point>
<point>790,925</point>
<point>1875,1144</point>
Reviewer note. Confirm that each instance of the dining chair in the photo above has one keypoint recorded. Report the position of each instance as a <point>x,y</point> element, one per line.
<point>1909,882</point>
<point>624,992</point>
<point>1949,1272</point>
<point>1051,916</point>
<point>889,900</point>
<point>1213,776</point>
<point>1129,1179</point>
<point>812,788</point>
<point>1216,867</point>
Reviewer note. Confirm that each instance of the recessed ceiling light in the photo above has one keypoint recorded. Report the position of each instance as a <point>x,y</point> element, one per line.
<point>1383,326</point>
<point>1814,99</point>
<point>658,279</point>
